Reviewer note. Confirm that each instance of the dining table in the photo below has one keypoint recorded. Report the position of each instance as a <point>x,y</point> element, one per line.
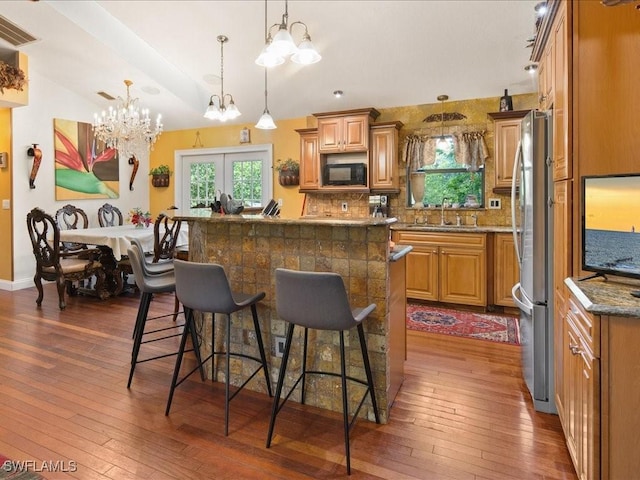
<point>113,243</point>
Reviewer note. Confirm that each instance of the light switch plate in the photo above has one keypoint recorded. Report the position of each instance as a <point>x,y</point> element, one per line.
<point>4,159</point>
<point>6,204</point>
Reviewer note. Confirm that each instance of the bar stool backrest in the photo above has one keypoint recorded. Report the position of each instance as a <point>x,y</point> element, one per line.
<point>313,299</point>
<point>203,287</point>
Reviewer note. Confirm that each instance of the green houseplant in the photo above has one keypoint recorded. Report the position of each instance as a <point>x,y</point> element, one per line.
<point>160,176</point>
<point>288,172</point>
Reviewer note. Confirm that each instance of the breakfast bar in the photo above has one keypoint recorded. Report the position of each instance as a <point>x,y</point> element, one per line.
<point>251,247</point>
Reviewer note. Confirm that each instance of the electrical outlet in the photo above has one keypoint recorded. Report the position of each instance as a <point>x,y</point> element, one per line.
<point>6,204</point>
<point>495,203</point>
<point>280,202</point>
<point>278,346</point>
<point>345,207</point>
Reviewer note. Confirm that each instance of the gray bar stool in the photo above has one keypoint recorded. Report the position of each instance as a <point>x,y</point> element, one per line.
<point>318,300</point>
<point>204,287</point>
<point>149,284</point>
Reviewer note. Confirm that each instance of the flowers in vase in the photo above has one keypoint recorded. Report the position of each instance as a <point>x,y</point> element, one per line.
<point>139,218</point>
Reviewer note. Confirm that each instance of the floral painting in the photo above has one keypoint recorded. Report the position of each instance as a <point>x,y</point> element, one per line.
<point>84,167</point>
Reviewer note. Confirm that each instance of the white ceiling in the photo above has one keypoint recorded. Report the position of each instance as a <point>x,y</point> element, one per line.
<point>380,53</point>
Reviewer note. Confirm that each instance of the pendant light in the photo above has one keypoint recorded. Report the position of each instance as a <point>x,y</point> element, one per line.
<point>281,45</point>
<point>221,111</point>
<point>266,121</point>
<point>442,141</point>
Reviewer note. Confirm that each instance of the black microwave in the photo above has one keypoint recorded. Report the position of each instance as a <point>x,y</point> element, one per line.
<point>344,174</point>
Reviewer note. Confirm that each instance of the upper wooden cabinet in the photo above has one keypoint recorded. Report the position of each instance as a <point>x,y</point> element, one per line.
<point>346,131</point>
<point>309,159</point>
<point>506,137</point>
<point>384,157</point>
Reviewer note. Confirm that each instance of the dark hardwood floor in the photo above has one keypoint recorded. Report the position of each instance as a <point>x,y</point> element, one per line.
<point>462,412</point>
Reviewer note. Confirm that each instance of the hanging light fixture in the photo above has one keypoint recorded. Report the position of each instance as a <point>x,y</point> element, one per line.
<point>442,141</point>
<point>266,120</point>
<point>278,47</point>
<point>127,128</point>
<point>221,111</point>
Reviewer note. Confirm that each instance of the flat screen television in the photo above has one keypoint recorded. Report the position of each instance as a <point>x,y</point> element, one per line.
<point>611,225</point>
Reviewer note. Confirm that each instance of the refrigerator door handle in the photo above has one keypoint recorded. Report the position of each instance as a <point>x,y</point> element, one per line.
<point>521,301</point>
<point>516,169</point>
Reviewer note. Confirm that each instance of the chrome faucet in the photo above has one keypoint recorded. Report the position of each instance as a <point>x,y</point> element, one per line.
<point>442,220</point>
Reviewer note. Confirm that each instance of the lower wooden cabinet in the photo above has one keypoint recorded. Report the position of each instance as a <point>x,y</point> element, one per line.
<point>444,267</point>
<point>601,418</point>
<point>506,271</point>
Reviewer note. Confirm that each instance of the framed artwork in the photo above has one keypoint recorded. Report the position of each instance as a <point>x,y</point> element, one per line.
<point>84,167</point>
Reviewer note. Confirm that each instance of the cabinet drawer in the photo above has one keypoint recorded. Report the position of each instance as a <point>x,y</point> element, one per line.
<point>442,239</point>
<point>587,324</point>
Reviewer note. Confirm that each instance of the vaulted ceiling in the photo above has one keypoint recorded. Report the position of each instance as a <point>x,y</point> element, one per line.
<point>379,53</point>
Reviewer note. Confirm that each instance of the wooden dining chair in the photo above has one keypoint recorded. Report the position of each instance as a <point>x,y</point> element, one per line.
<point>164,245</point>
<point>109,216</point>
<point>53,264</point>
<point>71,217</point>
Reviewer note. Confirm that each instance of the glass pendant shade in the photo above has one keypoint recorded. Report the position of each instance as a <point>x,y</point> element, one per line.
<point>269,59</point>
<point>266,122</point>
<point>306,54</point>
<point>282,44</point>
<point>212,113</point>
<point>232,111</point>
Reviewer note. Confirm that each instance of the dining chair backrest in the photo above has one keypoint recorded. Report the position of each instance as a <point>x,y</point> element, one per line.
<point>109,216</point>
<point>45,239</point>
<point>71,217</point>
<point>165,237</point>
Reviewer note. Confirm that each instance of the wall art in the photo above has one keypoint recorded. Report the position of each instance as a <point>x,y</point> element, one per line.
<point>84,167</point>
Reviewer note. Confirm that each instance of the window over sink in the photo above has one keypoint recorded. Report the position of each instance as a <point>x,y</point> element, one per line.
<point>446,178</point>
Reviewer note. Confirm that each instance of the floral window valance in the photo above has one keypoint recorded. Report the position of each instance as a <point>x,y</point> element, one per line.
<point>471,151</point>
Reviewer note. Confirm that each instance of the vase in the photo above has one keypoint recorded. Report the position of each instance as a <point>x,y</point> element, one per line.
<point>417,188</point>
<point>506,103</point>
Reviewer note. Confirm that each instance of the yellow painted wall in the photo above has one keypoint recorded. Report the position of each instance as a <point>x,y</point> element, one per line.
<point>6,244</point>
<point>285,141</point>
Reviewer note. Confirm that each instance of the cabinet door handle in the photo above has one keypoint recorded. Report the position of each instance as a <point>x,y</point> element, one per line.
<point>575,349</point>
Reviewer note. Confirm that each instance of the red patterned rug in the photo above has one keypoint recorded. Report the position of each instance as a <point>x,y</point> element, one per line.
<point>496,328</point>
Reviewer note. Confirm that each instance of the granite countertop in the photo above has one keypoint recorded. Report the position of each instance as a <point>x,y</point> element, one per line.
<point>420,227</point>
<point>205,215</point>
<point>606,297</point>
<point>399,251</point>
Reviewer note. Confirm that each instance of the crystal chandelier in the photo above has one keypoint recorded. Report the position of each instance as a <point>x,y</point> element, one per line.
<point>127,128</point>
<point>278,47</point>
<point>221,111</point>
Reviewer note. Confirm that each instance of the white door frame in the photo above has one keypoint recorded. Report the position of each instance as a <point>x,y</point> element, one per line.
<point>267,172</point>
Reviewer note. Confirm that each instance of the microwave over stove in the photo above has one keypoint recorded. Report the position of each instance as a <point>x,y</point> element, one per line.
<point>344,174</point>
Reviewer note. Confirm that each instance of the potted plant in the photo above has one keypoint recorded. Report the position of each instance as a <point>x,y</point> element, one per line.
<point>288,172</point>
<point>160,176</point>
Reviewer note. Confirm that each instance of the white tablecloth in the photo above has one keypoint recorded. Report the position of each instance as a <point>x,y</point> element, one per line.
<point>119,238</point>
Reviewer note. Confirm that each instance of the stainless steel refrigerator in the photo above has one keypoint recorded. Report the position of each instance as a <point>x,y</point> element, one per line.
<point>532,218</point>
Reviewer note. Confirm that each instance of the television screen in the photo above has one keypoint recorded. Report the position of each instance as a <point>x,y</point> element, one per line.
<point>611,224</point>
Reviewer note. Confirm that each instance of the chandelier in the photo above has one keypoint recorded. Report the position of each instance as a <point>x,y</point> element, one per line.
<point>221,111</point>
<point>127,128</point>
<point>280,46</point>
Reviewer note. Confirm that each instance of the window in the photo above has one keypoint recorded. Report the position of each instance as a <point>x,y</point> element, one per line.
<point>242,172</point>
<point>446,178</point>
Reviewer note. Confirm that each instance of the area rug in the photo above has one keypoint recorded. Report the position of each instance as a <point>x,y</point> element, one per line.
<point>483,326</point>
<point>12,470</point>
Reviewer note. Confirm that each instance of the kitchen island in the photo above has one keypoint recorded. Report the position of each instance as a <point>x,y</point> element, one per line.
<point>251,247</point>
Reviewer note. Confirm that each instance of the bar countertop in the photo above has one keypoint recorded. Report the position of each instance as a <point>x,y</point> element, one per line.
<point>606,297</point>
<point>205,215</point>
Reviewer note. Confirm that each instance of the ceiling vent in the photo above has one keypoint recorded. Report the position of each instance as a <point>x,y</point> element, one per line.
<point>14,34</point>
<point>106,95</point>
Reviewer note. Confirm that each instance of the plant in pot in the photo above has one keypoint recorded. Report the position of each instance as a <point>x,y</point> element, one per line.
<point>160,176</point>
<point>288,172</point>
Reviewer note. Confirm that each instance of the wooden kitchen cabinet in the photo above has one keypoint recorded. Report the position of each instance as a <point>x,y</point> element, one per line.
<point>601,361</point>
<point>384,175</point>
<point>506,269</point>
<point>309,159</point>
<point>347,131</point>
<point>560,97</point>
<point>507,129</point>
<point>444,267</point>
